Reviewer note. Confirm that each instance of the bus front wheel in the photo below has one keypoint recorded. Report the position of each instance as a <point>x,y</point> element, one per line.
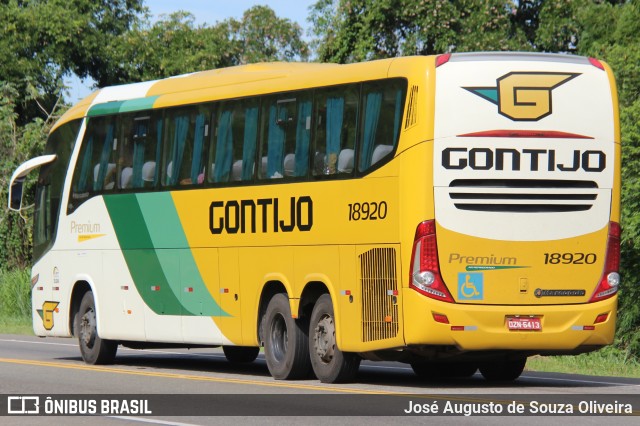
<point>94,349</point>
<point>286,341</point>
<point>329,363</point>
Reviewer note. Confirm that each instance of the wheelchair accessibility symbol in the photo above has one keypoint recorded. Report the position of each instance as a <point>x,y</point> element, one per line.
<point>470,286</point>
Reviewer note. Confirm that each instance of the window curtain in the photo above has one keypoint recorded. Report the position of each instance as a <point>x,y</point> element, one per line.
<point>275,142</point>
<point>371,118</point>
<point>196,161</point>
<point>224,148</point>
<point>179,139</point>
<point>303,134</point>
<point>249,145</point>
<point>107,147</point>
<point>335,116</point>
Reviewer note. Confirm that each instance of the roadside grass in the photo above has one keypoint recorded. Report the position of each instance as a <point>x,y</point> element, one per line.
<point>15,302</point>
<point>609,361</point>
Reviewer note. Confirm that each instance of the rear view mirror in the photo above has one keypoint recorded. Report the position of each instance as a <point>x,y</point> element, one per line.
<point>16,185</point>
<point>15,194</point>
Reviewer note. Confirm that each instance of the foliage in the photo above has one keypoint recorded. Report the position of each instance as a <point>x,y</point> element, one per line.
<point>356,30</point>
<point>47,39</point>
<point>175,45</point>
<point>261,36</point>
<point>609,361</point>
<point>19,143</point>
<point>171,46</point>
<point>15,294</point>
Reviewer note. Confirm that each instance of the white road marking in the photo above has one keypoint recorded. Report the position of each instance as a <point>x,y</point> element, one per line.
<point>152,421</point>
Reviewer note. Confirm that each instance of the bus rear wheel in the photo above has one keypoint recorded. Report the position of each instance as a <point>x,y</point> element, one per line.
<point>503,370</point>
<point>329,363</point>
<point>94,350</point>
<point>286,341</point>
<point>240,354</point>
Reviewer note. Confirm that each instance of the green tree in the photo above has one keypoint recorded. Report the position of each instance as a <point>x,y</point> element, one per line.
<point>18,143</point>
<point>43,40</point>
<point>355,30</point>
<point>176,45</point>
<point>171,46</point>
<point>261,36</point>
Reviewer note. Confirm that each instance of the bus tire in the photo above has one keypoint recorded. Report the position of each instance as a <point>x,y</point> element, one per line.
<point>286,346</point>
<point>240,354</point>
<point>441,370</point>
<point>94,350</point>
<point>329,363</point>
<point>503,370</point>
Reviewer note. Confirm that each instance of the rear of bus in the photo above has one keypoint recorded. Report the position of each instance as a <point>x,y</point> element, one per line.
<point>523,255</point>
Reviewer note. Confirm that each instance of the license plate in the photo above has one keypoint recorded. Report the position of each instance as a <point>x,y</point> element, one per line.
<point>527,324</point>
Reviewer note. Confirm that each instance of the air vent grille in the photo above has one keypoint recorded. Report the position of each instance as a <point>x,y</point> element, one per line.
<point>412,108</point>
<point>379,286</point>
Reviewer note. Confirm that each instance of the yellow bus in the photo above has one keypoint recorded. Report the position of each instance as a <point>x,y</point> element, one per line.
<point>454,212</point>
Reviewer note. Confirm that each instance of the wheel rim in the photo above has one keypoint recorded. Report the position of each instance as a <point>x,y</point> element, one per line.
<point>88,328</point>
<point>325,339</point>
<point>279,337</point>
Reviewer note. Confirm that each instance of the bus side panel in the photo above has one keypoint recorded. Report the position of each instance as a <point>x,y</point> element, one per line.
<point>259,266</point>
<point>126,309</point>
<point>222,275</point>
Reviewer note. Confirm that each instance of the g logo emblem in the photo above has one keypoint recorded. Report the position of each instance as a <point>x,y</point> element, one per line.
<point>523,96</point>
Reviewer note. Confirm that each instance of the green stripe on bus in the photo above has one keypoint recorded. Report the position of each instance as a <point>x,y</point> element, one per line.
<point>139,104</point>
<point>158,256</point>
<point>165,230</point>
<point>142,260</point>
<point>105,108</point>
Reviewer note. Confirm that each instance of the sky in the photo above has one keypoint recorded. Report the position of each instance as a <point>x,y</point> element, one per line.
<point>212,11</point>
<point>208,12</point>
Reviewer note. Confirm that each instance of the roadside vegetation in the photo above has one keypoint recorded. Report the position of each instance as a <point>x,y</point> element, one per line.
<point>610,361</point>
<point>15,302</point>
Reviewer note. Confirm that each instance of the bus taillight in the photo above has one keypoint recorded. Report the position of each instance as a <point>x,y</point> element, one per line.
<point>425,270</point>
<point>610,280</point>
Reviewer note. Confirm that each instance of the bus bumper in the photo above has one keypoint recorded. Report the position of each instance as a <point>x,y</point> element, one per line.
<point>564,328</point>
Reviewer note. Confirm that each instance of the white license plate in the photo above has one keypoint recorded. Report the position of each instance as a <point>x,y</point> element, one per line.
<point>531,324</point>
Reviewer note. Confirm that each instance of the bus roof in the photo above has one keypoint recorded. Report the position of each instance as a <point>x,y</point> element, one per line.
<point>222,83</point>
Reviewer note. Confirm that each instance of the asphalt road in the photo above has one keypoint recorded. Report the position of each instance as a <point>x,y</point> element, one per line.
<point>196,387</point>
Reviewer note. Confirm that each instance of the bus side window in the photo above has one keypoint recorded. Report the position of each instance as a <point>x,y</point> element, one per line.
<point>95,170</point>
<point>234,144</point>
<point>336,113</point>
<point>380,124</point>
<point>278,143</point>
<point>186,132</point>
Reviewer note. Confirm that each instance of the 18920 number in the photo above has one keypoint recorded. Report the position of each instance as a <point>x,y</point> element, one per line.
<point>570,258</point>
<point>368,211</point>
